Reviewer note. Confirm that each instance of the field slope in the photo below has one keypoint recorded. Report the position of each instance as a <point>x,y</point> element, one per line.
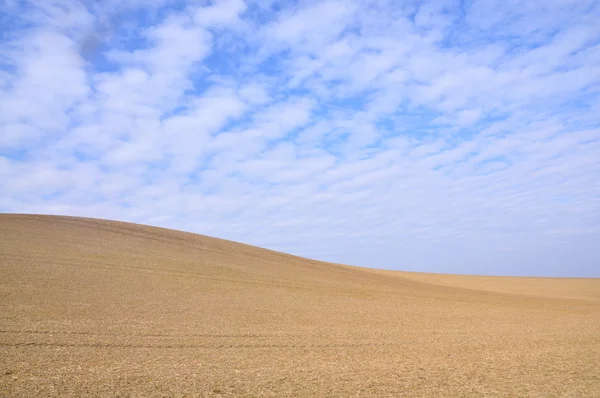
<point>101,308</point>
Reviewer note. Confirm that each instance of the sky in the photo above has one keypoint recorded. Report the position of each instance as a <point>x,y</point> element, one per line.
<point>436,136</point>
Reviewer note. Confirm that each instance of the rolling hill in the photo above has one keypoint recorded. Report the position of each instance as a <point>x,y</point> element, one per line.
<point>92,307</point>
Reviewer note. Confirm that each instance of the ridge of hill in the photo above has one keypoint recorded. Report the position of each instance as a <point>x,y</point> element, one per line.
<point>96,307</point>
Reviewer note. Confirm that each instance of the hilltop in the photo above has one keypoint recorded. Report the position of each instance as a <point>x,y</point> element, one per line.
<point>98,307</point>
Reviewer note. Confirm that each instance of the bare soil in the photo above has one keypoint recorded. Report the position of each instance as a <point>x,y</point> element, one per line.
<point>101,308</point>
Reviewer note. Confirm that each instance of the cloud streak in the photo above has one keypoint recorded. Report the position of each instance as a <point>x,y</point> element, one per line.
<point>435,136</point>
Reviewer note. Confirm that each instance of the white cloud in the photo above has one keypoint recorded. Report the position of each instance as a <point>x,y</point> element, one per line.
<point>424,136</point>
<point>221,14</point>
<point>300,27</point>
<point>254,93</point>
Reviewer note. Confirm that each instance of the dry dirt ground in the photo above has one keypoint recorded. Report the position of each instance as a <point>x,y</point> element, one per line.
<point>101,308</point>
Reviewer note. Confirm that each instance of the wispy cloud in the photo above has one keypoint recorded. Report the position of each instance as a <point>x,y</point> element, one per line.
<point>435,136</point>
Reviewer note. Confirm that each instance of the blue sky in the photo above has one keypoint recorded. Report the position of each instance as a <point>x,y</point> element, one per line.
<point>441,136</point>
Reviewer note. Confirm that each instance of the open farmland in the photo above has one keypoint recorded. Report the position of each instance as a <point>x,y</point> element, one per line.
<point>101,308</point>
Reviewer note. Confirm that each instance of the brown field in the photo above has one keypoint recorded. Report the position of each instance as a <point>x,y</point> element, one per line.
<point>101,308</point>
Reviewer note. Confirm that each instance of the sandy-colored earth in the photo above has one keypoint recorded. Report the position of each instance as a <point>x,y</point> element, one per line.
<point>101,308</point>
